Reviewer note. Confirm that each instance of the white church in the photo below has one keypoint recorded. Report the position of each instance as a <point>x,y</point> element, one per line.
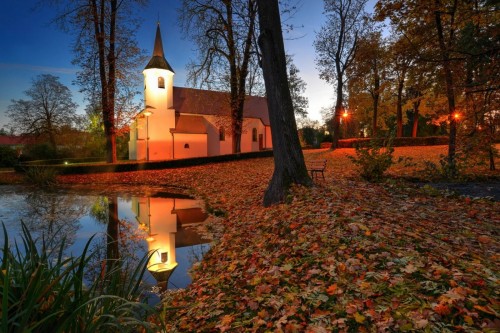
<point>184,122</point>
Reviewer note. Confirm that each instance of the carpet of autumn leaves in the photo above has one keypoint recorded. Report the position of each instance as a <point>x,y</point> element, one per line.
<point>345,255</point>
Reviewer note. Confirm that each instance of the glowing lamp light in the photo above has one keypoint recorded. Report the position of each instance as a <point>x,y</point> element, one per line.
<point>66,163</point>
<point>456,116</point>
<point>345,115</point>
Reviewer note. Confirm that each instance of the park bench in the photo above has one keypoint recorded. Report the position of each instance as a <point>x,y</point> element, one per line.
<point>315,167</point>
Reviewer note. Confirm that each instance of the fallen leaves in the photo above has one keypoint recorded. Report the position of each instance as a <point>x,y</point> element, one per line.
<point>345,255</point>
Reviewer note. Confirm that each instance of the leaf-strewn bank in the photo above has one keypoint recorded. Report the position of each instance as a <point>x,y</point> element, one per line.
<point>345,255</point>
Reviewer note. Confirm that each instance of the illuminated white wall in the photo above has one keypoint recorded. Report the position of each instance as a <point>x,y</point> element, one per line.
<point>268,138</point>
<point>190,145</point>
<point>154,96</point>
<point>247,143</point>
<point>215,146</point>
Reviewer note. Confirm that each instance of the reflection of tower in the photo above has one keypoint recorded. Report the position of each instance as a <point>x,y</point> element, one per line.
<point>163,219</point>
<point>155,214</point>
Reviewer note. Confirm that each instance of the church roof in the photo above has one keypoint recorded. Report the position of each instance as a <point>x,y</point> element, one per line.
<point>208,102</point>
<point>158,59</point>
<point>190,124</point>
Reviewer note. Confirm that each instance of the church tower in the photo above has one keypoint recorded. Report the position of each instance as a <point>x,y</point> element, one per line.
<point>150,136</point>
<point>158,78</point>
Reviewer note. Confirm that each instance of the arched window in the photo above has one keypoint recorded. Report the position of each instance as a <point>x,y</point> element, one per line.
<point>186,145</point>
<point>254,134</point>
<point>222,133</point>
<point>161,82</point>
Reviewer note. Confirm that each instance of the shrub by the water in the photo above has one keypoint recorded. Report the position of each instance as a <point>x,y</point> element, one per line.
<point>41,176</point>
<point>46,292</point>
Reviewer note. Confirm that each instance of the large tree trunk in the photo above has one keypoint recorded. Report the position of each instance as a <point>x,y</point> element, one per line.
<point>239,73</point>
<point>414,130</point>
<point>450,91</point>
<point>376,98</point>
<point>375,115</point>
<point>111,133</point>
<point>337,114</point>
<point>289,165</point>
<point>399,109</point>
<point>107,95</point>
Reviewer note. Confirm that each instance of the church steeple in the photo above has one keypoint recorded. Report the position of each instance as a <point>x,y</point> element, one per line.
<point>158,59</point>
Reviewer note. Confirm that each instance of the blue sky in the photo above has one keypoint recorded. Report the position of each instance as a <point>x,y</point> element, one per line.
<point>31,46</point>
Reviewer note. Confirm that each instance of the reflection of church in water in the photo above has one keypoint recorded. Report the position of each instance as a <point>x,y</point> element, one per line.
<point>168,223</point>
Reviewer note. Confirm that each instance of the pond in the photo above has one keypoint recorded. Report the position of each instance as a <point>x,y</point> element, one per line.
<point>140,221</point>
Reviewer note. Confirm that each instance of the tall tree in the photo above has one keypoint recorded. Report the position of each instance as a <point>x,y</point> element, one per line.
<point>401,61</point>
<point>439,24</point>
<point>419,84</point>
<point>368,69</point>
<point>289,165</point>
<point>445,41</point>
<point>336,45</point>
<point>107,53</point>
<point>224,32</point>
<point>48,109</point>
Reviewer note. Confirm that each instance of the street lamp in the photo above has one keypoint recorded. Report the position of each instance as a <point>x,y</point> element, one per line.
<point>345,115</point>
<point>147,113</point>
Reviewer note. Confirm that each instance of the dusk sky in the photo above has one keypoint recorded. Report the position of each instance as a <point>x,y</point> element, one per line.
<point>31,45</point>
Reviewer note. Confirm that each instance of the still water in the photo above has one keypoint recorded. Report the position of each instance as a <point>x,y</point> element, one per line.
<point>168,225</point>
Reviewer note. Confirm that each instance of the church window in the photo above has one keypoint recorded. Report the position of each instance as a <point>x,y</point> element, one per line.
<point>186,145</point>
<point>254,134</point>
<point>161,82</point>
<point>222,134</point>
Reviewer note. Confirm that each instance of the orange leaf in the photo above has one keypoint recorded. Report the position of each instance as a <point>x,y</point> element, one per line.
<point>442,309</point>
<point>332,290</point>
<point>484,309</point>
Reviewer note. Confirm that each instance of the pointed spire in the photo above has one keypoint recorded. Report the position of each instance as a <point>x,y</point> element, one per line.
<point>158,50</point>
<point>158,60</point>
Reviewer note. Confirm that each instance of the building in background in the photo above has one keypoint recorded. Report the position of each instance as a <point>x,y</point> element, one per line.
<point>184,122</point>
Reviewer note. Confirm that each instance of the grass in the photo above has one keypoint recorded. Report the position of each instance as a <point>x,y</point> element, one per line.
<point>43,291</point>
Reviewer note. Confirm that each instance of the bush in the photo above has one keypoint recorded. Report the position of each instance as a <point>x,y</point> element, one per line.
<point>41,151</point>
<point>374,160</point>
<point>396,142</point>
<point>41,176</point>
<point>8,157</point>
<point>46,292</point>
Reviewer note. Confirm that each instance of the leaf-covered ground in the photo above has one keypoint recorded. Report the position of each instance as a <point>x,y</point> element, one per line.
<point>344,255</point>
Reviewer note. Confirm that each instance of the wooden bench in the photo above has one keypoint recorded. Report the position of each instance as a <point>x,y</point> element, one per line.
<point>315,167</point>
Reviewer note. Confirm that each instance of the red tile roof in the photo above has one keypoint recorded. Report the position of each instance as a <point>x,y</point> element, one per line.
<point>208,102</point>
<point>190,124</point>
<point>12,140</point>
